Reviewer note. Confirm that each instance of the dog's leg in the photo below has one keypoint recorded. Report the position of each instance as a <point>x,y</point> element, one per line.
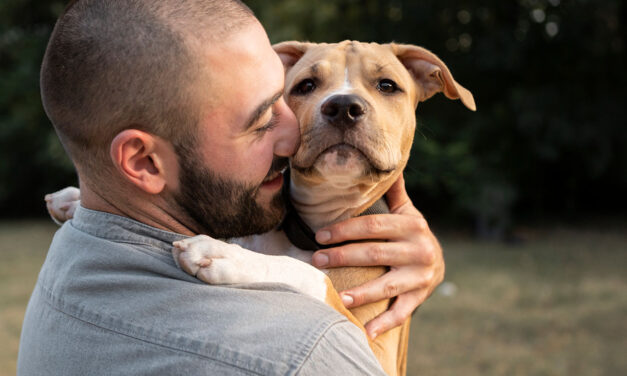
<point>62,204</point>
<point>216,262</point>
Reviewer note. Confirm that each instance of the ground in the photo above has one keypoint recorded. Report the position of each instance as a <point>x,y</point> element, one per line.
<point>554,304</point>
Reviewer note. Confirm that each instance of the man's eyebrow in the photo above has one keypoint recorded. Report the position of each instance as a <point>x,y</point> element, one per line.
<point>262,109</point>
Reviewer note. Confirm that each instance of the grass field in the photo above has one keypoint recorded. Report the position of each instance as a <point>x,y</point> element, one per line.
<point>553,305</point>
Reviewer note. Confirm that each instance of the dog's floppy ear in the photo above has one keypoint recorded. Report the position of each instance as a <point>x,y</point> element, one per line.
<point>290,52</point>
<point>432,74</point>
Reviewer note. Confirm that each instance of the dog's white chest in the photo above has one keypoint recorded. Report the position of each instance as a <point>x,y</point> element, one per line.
<point>273,243</point>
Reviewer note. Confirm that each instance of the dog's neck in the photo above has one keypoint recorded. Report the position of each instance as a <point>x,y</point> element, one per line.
<point>332,200</point>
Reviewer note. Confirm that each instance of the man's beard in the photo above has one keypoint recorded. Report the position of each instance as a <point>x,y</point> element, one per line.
<point>225,208</point>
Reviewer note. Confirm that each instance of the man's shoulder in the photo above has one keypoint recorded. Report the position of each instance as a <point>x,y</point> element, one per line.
<point>294,338</point>
<point>261,329</point>
<point>127,294</point>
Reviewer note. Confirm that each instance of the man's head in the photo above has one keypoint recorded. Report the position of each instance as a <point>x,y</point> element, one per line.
<point>167,102</point>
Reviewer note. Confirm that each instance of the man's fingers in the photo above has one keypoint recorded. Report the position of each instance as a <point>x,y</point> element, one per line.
<point>399,201</point>
<point>400,310</point>
<point>397,195</point>
<point>379,226</point>
<point>363,254</point>
<point>374,254</point>
<point>391,284</point>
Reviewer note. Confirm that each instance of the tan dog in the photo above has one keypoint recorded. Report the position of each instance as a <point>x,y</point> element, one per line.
<point>356,106</point>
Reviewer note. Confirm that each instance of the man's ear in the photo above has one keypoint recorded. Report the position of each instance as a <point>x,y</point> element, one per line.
<point>431,74</point>
<point>290,52</point>
<point>137,156</point>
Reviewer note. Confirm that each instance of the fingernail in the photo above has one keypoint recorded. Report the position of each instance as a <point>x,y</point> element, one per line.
<point>320,260</point>
<point>347,300</point>
<point>323,236</point>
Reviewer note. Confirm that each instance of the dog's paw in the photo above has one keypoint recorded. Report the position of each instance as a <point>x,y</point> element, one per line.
<point>61,205</point>
<point>216,262</point>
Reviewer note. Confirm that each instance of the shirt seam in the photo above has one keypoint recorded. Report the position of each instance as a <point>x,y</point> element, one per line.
<point>154,254</point>
<point>117,239</point>
<point>118,219</point>
<point>317,342</point>
<point>157,253</point>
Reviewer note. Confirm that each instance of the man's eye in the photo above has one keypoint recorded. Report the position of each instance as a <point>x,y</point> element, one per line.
<point>304,87</point>
<point>269,125</point>
<point>387,86</point>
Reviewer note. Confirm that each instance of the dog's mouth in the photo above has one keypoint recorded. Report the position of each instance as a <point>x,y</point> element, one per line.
<point>341,147</point>
<point>345,152</point>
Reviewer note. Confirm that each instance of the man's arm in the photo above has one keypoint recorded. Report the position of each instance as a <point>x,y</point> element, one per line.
<point>410,250</point>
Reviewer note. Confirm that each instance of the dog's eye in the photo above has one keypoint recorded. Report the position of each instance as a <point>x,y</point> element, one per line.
<point>387,86</point>
<point>304,87</point>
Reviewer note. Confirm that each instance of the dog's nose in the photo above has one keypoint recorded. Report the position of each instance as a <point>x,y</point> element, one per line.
<point>343,110</point>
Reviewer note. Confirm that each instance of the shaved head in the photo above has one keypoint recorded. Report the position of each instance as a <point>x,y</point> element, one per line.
<point>112,65</point>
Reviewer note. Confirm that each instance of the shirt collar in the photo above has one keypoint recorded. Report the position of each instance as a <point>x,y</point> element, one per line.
<point>122,229</point>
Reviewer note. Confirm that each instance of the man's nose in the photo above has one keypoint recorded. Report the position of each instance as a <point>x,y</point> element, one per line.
<point>343,111</point>
<point>288,135</point>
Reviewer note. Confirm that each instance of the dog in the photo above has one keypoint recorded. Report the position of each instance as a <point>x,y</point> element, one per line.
<point>356,106</point>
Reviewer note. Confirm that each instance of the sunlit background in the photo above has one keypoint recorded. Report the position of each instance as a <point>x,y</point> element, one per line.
<point>527,194</point>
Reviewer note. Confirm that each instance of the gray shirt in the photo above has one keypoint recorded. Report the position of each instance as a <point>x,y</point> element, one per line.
<point>110,301</point>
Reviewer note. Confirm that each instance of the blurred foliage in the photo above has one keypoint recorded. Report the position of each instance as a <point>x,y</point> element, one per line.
<point>32,161</point>
<point>548,76</point>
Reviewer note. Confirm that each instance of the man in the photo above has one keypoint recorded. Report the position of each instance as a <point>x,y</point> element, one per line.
<point>172,114</point>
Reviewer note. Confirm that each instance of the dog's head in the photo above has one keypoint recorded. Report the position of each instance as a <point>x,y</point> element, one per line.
<point>356,106</point>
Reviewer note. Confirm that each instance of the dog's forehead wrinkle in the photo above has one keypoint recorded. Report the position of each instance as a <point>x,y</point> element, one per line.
<point>305,61</point>
<point>379,67</point>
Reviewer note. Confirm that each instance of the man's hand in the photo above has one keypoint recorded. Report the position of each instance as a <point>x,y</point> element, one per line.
<point>411,251</point>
